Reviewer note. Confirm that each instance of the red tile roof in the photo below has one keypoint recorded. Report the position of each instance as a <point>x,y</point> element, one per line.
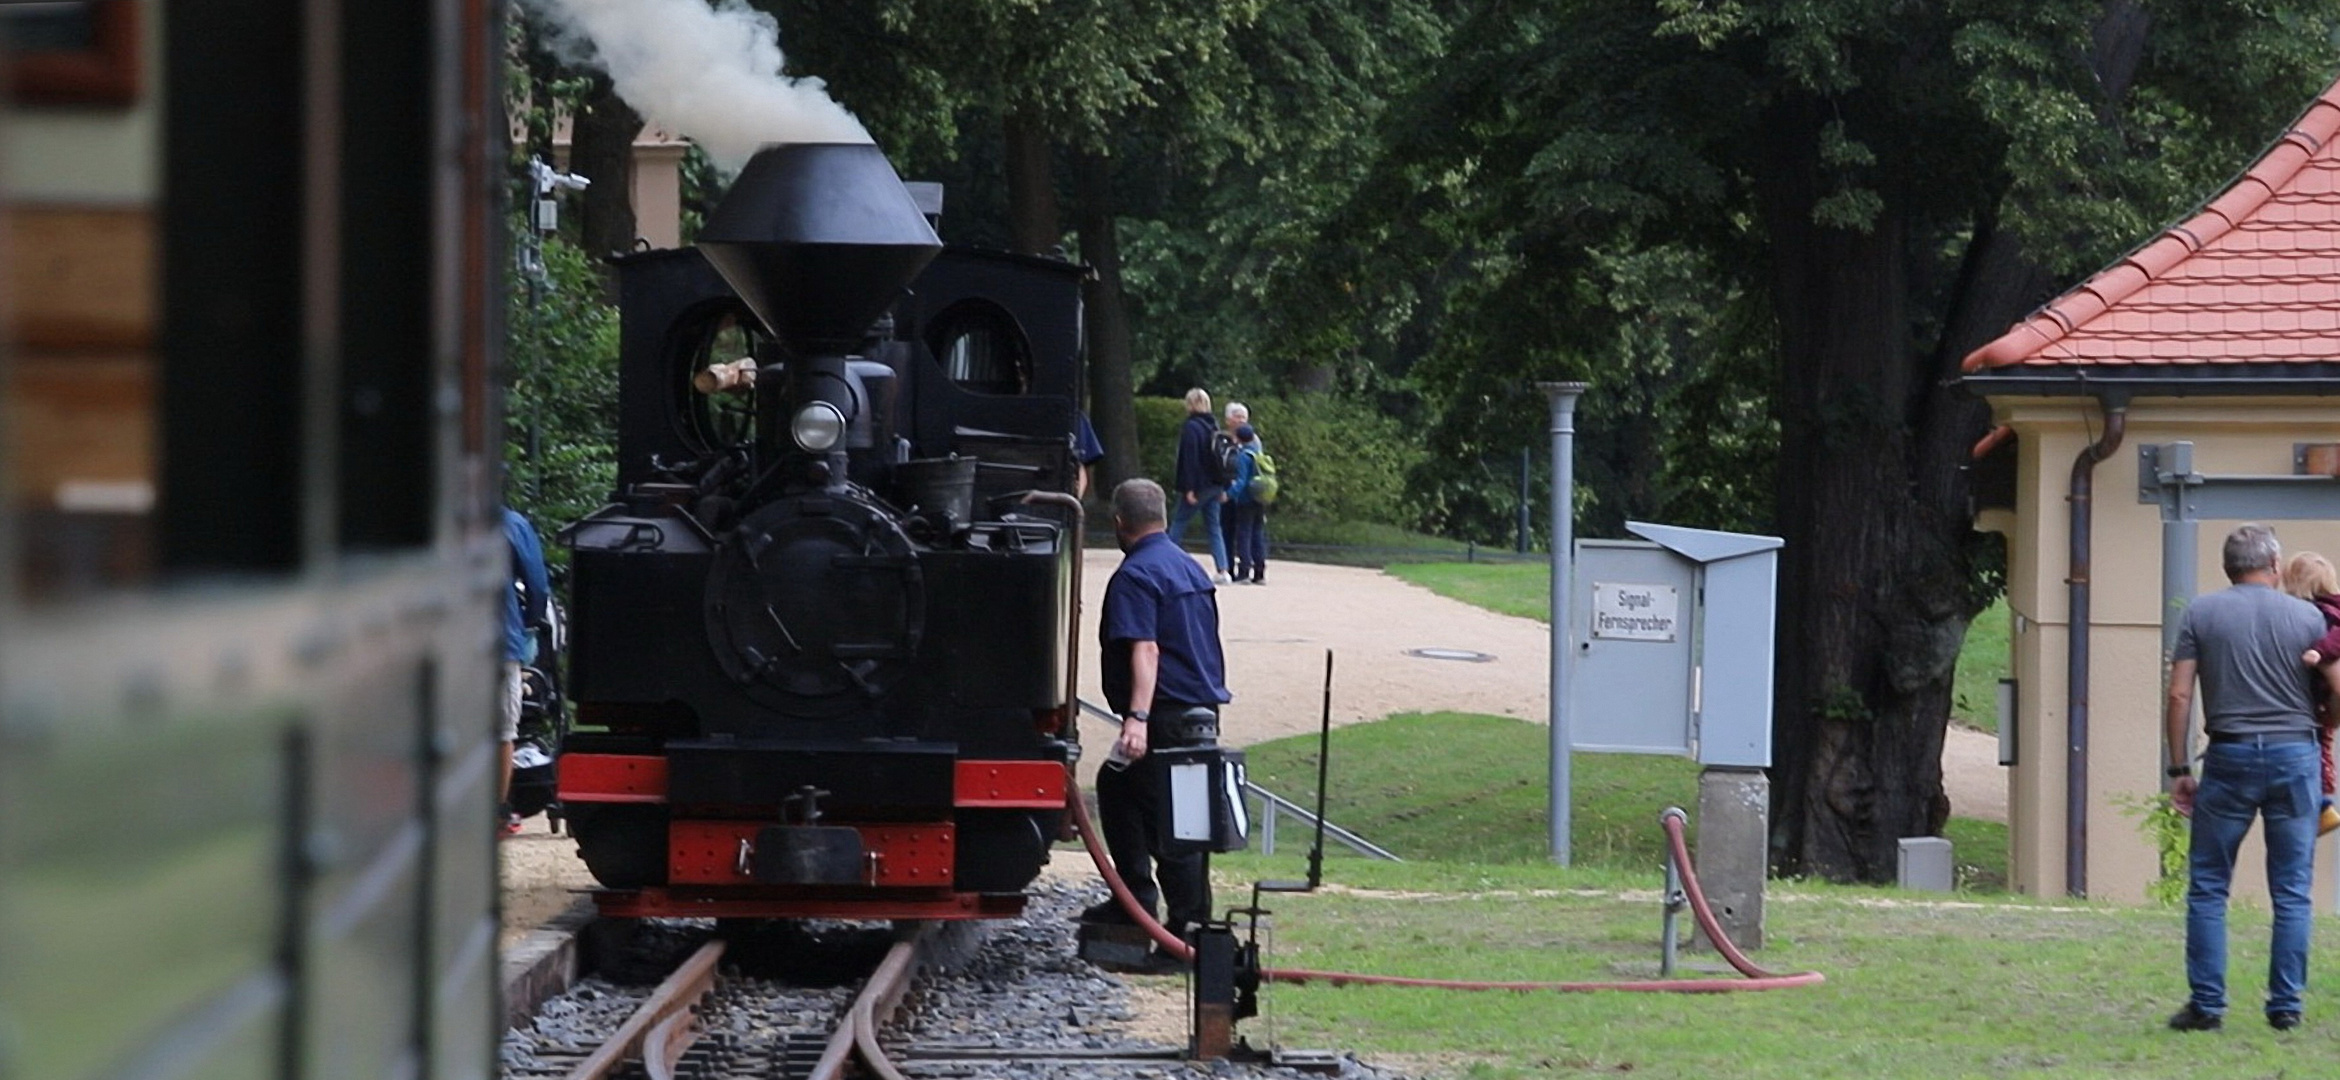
<point>2254,278</point>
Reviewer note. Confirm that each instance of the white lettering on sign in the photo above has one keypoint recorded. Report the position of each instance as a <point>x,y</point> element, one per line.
<point>1634,612</point>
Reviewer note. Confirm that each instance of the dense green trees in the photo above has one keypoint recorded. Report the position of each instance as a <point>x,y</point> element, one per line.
<point>1182,149</point>
<point>1825,204</point>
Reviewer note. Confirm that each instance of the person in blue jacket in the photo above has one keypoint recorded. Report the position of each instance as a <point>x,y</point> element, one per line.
<point>1236,415</point>
<point>1197,479</point>
<point>525,604</point>
<point>1248,514</point>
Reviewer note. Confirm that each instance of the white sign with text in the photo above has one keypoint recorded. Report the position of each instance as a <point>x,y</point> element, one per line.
<point>1635,612</point>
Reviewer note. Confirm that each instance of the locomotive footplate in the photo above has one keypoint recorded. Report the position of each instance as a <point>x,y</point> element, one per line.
<point>809,855</point>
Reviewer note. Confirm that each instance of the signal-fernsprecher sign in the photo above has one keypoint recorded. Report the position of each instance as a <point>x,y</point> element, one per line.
<point>1635,612</point>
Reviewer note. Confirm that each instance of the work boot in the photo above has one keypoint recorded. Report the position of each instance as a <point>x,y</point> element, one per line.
<point>2193,1019</point>
<point>1108,912</point>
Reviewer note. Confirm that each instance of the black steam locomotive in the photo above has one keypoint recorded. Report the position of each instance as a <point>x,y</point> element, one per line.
<point>821,636</point>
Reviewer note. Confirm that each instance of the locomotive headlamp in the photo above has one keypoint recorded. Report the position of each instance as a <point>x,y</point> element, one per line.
<point>817,427</point>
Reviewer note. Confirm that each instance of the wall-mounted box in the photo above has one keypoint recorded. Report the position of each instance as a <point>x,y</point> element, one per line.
<point>1670,645</point>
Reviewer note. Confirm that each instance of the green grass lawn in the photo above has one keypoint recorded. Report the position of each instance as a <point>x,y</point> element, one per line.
<point>1917,987</point>
<point>1982,662</point>
<point>1523,589</point>
<point>1461,787</point>
<point>1976,984</point>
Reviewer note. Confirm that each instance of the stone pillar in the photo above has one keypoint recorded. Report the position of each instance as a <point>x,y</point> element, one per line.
<point>1734,850</point>
<point>657,188</point>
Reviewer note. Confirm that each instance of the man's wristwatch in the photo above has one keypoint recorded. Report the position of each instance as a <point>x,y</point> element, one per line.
<point>2175,771</point>
<point>1134,714</point>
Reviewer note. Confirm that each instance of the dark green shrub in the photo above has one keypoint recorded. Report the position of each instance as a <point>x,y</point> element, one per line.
<point>1340,459</point>
<point>1158,420</point>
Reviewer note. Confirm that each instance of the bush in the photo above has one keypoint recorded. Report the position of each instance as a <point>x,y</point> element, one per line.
<point>1158,420</point>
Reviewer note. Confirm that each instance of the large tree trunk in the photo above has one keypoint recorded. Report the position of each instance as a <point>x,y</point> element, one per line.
<point>1033,226</point>
<point>1112,386</point>
<point>1877,579</point>
<point>1872,590</point>
<point>601,149</point>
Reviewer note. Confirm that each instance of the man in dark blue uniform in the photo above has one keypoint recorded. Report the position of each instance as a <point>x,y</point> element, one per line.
<point>1165,676</point>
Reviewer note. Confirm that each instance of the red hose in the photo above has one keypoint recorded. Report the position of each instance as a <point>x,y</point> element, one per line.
<point>1756,978</point>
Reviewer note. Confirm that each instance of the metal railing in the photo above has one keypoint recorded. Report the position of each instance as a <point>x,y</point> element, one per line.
<point>1273,806</point>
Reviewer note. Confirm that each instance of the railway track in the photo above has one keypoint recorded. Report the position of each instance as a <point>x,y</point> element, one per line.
<point>941,1004</point>
<point>667,1035</point>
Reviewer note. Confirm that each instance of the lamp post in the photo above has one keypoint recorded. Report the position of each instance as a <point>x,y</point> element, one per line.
<point>1562,396</point>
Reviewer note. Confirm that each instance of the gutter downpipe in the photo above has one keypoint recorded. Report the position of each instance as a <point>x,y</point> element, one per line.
<point>2082,499</point>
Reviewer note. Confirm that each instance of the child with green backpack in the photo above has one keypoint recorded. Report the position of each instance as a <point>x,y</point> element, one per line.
<point>1255,486</point>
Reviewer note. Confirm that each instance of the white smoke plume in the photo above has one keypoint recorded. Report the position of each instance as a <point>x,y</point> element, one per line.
<point>709,73</point>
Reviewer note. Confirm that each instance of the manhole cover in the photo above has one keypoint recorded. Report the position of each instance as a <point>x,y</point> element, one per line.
<point>1451,654</point>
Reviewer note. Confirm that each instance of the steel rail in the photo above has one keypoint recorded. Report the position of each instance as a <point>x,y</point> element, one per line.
<point>650,1033</point>
<point>873,1007</point>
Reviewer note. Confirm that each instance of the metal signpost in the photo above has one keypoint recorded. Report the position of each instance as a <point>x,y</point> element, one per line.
<point>1563,397</point>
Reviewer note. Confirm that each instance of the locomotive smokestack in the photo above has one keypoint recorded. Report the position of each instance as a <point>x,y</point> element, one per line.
<point>818,239</point>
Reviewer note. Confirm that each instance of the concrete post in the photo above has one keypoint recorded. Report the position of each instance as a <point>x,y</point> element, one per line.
<point>1734,850</point>
<point>1562,396</point>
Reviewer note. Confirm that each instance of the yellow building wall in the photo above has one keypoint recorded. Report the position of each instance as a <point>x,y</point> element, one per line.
<point>2126,668</point>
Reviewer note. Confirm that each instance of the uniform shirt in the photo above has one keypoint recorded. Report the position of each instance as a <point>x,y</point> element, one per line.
<point>2246,641</point>
<point>527,570</point>
<point>1161,595</point>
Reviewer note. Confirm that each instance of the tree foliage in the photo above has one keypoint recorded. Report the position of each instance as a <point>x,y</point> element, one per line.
<point>560,333</point>
<point>1766,230</point>
<point>560,407</point>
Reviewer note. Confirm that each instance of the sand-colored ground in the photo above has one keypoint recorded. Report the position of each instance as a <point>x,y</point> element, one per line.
<point>1276,637</point>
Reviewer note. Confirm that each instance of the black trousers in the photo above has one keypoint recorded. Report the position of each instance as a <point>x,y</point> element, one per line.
<point>1132,804</point>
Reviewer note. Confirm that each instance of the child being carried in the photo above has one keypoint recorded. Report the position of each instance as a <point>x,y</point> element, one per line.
<point>2310,577</point>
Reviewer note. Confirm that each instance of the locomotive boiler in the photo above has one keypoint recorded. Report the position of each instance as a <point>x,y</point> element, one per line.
<point>821,635</point>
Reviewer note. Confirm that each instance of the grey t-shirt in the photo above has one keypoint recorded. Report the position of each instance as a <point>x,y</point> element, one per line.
<point>2247,640</point>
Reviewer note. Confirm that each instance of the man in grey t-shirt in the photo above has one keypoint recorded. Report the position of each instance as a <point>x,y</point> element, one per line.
<point>2262,761</point>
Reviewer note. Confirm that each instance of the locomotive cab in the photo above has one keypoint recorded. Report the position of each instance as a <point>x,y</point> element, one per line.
<point>819,636</point>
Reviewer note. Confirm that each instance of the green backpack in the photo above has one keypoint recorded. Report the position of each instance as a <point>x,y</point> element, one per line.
<point>1264,485</point>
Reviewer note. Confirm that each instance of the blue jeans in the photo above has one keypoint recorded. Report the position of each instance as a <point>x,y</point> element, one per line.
<point>2279,782</point>
<point>1207,502</point>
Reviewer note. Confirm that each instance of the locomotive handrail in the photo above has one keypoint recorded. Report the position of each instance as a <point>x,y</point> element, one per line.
<point>1072,634</point>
